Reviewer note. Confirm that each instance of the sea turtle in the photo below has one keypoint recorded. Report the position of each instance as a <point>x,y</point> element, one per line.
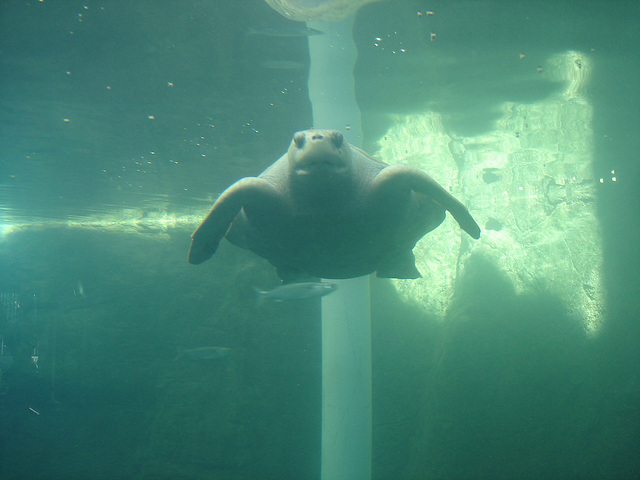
<point>327,209</point>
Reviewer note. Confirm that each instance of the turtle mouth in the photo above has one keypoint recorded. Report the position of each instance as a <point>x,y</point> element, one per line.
<point>321,164</point>
<point>319,152</point>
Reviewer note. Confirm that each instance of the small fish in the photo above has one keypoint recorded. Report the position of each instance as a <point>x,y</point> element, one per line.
<point>205,353</point>
<point>294,29</point>
<point>78,291</point>
<point>296,291</point>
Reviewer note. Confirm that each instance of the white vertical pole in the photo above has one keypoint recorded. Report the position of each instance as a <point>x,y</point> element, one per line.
<point>346,322</point>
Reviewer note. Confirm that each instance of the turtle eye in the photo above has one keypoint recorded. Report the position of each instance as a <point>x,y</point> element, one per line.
<point>337,139</point>
<point>299,139</point>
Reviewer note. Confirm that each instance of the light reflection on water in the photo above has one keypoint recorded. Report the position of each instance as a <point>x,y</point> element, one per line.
<point>137,213</point>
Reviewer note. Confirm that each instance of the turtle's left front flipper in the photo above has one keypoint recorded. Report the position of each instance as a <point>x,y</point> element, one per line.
<point>396,177</point>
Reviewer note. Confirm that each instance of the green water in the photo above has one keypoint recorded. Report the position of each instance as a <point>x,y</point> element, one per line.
<point>152,108</point>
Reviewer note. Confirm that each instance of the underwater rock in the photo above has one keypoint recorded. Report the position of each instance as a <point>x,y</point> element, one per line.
<point>534,173</point>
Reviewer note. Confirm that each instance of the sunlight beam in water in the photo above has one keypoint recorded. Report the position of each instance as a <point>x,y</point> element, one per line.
<point>129,221</point>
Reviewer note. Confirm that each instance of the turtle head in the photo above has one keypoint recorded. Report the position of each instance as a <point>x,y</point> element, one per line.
<point>319,152</point>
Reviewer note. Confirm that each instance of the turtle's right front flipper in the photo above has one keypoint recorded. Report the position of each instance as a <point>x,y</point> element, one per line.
<point>207,237</point>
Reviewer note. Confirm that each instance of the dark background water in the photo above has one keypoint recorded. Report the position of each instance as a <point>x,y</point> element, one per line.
<point>156,106</point>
